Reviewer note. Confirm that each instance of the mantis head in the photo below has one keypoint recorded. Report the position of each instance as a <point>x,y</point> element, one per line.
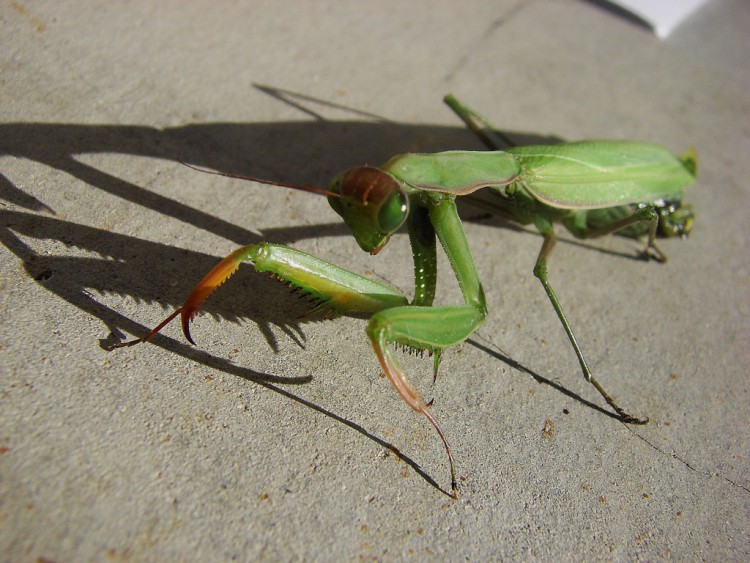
<point>372,203</point>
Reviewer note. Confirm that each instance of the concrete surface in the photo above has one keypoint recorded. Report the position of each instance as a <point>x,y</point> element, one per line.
<point>274,439</point>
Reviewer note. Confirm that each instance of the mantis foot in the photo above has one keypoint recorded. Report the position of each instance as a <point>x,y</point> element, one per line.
<point>653,252</point>
<point>154,331</point>
<point>624,416</point>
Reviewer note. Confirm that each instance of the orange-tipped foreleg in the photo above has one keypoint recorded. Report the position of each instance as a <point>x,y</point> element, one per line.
<point>210,283</point>
<point>339,290</point>
<point>217,276</point>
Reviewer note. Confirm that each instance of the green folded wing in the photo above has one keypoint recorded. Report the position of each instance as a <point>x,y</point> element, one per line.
<point>591,174</point>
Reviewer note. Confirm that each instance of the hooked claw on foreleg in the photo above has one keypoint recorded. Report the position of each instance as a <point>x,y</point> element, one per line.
<point>217,276</point>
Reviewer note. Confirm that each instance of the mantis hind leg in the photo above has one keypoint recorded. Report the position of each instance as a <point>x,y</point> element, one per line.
<point>647,214</point>
<point>540,271</point>
<point>487,133</point>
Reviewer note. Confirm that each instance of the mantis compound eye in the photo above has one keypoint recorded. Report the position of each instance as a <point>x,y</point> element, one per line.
<point>393,210</point>
<point>372,203</point>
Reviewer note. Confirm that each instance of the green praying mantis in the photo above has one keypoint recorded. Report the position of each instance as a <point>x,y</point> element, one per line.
<point>593,188</point>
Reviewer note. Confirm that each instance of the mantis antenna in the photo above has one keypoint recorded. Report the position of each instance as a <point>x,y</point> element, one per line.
<point>309,189</point>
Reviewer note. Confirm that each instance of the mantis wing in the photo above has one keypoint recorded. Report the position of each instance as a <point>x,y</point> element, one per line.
<point>593,174</point>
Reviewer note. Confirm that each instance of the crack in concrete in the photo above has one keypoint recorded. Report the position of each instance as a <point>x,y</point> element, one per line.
<point>494,25</point>
<point>687,463</point>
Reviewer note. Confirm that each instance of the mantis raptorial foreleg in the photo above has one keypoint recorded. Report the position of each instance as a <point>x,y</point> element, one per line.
<point>342,291</point>
<point>337,289</point>
<point>432,328</point>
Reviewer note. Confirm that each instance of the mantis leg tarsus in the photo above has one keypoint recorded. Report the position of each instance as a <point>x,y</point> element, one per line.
<point>540,272</point>
<point>653,252</point>
<point>624,416</point>
<point>454,484</point>
<point>151,334</point>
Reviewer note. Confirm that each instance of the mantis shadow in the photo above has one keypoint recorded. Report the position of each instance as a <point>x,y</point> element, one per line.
<point>497,354</point>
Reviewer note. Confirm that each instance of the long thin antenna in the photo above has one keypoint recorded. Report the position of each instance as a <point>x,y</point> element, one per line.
<point>309,189</point>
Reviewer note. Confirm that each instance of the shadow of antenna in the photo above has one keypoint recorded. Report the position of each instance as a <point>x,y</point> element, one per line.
<point>289,98</point>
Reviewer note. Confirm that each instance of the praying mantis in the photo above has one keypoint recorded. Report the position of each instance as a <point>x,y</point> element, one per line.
<point>593,188</point>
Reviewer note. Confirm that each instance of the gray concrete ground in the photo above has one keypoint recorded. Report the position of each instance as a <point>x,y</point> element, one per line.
<point>275,438</point>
